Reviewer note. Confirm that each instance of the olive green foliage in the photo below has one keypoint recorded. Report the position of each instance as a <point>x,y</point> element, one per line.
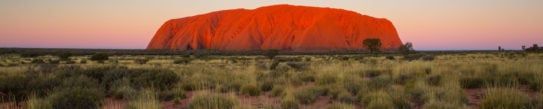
<point>307,95</point>
<point>372,44</point>
<point>99,57</point>
<point>289,103</point>
<point>76,98</point>
<point>503,98</point>
<point>212,101</point>
<point>250,90</point>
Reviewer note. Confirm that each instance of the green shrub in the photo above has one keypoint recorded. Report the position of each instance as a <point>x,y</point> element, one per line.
<point>266,85</point>
<point>428,58</point>
<point>277,91</point>
<point>141,61</point>
<point>289,104</point>
<point>297,65</point>
<point>340,106</point>
<point>270,54</point>
<point>346,97</point>
<point>123,92</point>
<point>274,64</point>
<point>182,61</point>
<point>80,82</point>
<point>212,101</point>
<point>156,78</point>
<point>380,82</point>
<point>250,90</point>
<point>472,82</point>
<point>70,62</point>
<point>14,87</point>
<point>83,61</point>
<point>354,85</point>
<point>76,98</point>
<point>65,55</point>
<point>37,61</point>
<point>417,91</point>
<point>434,80</point>
<point>171,94</point>
<point>307,76</point>
<point>373,73</point>
<point>389,57</point>
<point>145,99</point>
<point>504,98</point>
<point>378,100</point>
<point>307,95</point>
<point>538,102</point>
<point>441,105</point>
<point>325,79</point>
<point>100,57</point>
<point>51,61</point>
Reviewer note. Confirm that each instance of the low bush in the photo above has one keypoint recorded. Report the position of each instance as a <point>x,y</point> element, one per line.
<point>270,54</point>
<point>378,100</point>
<point>64,55</point>
<point>389,57</point>
<point>428,58</point>
<point>380,82</point>
<point>212,101</point>
<point>472,82</point>
<point>145,99</point>
<point>505,98</point>
<point>538,101</point>
<point>297,65</point>
<point>325,79</point>
<point>266,85</point>
<point>14,87</point>
<point>307,95</point>
<point>346,97</point>
<point>434,80</point>
<point>354,84</point>
<point>100,57</point>
<point>274,64</point>
<point>373,73</point>
<point>83,61</point>
<point>77,98</point>
<point>441,105</point>
<point>171,94</point>
<point>37,61</point>
<point>277,91</point>
<point>340,106</point>
<point>250,90</point>
<point>182,61</point>
<point>289,103</point>
<point>141,61</point>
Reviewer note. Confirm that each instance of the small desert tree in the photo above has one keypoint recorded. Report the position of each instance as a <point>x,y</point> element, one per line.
<point>271,53</point>
<point>100,57</point>
<point>65,55</point>
<point>407,48</point>
<point>372,44</point>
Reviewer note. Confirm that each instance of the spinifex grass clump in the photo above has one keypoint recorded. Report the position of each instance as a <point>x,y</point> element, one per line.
<point>145,99</point>
<point>307,95</point>
<point>250,90</point>
<point>212,101</point>
<point>77,98</point>
<point>505,98</point>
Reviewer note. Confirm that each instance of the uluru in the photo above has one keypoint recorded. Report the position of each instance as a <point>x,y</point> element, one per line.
<point>277,27</point>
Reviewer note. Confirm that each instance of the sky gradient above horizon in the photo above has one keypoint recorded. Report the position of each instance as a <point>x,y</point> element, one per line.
<point>130,24</point>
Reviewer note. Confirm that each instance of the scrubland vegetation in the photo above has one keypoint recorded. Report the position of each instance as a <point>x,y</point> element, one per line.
<point>486,80</point>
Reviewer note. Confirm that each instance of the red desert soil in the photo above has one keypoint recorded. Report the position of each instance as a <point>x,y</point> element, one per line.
<point>280,27</point>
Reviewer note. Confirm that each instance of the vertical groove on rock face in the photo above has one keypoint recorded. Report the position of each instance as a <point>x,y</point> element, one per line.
<point>281,27</point>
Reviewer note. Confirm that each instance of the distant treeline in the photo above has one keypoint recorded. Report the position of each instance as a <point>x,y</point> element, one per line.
<point>33,52</point>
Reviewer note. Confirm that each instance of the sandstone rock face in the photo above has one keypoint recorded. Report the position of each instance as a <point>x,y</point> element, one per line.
<point>279,27</point>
